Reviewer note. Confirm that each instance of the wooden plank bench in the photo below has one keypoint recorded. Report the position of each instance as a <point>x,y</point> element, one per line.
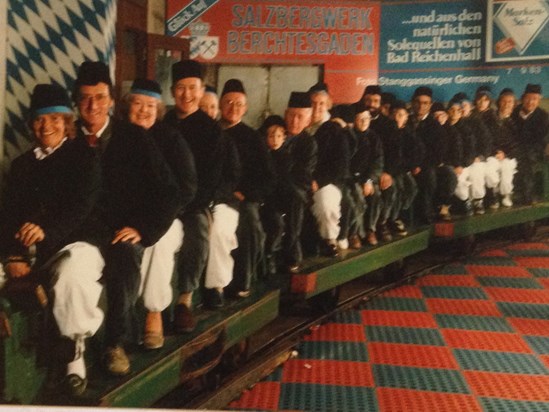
<point>154,373</point>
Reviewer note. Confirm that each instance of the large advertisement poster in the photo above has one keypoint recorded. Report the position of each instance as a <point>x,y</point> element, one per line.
<point>443,45</point>
<point>343,37</point>
<point>517,30</point>
<point>450,46</point>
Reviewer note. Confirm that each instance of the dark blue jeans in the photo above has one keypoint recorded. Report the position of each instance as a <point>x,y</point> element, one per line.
<point>122,275</point>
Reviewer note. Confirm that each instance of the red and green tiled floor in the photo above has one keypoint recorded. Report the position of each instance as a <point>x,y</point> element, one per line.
<point>472,336</point>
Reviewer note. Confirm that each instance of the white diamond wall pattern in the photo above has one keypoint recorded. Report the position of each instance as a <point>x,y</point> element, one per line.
<point>47,41</point>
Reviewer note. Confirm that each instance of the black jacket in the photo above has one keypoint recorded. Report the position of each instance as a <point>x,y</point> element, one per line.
<point>177,154</point>
<point>506,138</point>
<point>533,132</point>
<point>483,137</point>
<point>138,188</point>
<point>367,161</point>
<point>410,153</point>
<point>280,160</point>
<point>57,193</point>
<point>454,150</point>
<point>333,154</point>
<point>434,139</point>
<point>468,144</point>
<point>215,157</point>
<point>257,178</point>
<point>302,158</point>
<point>489,119</point>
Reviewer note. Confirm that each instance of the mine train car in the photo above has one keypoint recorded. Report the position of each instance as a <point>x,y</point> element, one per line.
<point>228,338</point>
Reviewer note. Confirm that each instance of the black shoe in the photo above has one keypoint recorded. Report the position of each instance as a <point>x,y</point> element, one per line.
<point>468,207</point>
<point>270,263</point>
<point>398,227</point>
<point>213,299</point>
<point>328,249</point>
<point>385,233</point>
<point>478,205</point>
<point>294,268</point>
<point>184,321</point>
<point>75,385</point>
<point>235,293</point>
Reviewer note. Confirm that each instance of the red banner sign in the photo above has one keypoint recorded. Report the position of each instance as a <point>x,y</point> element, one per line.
<point>343,37</point>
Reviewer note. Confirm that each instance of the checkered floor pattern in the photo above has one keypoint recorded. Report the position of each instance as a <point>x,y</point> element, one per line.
<point>472,336</point>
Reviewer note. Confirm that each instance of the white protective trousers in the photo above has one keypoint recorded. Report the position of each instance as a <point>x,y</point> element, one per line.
<point>463,186</point>
<point>326,209</point>
<point>219,271</point>
<point>157,267</point>
<point>76,290</point>
<point>477,176</point>
<point>501,174</point>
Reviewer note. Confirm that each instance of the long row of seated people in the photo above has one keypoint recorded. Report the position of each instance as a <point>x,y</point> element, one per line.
<point>122,204</point>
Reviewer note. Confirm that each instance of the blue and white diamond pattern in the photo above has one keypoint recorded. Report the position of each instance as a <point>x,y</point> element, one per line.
<point>47,41</point>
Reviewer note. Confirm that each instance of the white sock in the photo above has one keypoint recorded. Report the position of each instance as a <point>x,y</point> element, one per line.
<point>77,366</point>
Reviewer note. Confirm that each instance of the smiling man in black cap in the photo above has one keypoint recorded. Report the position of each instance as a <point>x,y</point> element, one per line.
<point>379,211</point>
<point>218,171</point>
<point>302,155</point>
<point>533,134</point>
<point>331,171</point>
<point>436,183</point>
<point>139,201</point>
<point>256,182</point>
<point>480,149</point>
<point>51,190</point>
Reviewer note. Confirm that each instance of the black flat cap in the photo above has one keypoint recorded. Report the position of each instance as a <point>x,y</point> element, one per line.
<point>272,120</point>
<point>320,87</point>
<point>233,86</point>
<point>399,104</point>
<point>423,91</point>
<point>146,87</point>
<point>360,107</point>
<point>460,97</point>
<point>92,73</point>
<point>532,88</point>
<point>437,107</point>
<point>300,100</point>
<point>49,98</point>
<point>483,91</point>
<point>210,89</point>
<point>506,91</point>
<point>372,89</point>
<point>186,68</point>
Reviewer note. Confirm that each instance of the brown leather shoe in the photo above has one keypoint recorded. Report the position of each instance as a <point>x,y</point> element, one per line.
<point>153,338</point>
<point>183,319</point>
<point>116,361</point>
<point>371,238</point>
<point>355,242</point>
